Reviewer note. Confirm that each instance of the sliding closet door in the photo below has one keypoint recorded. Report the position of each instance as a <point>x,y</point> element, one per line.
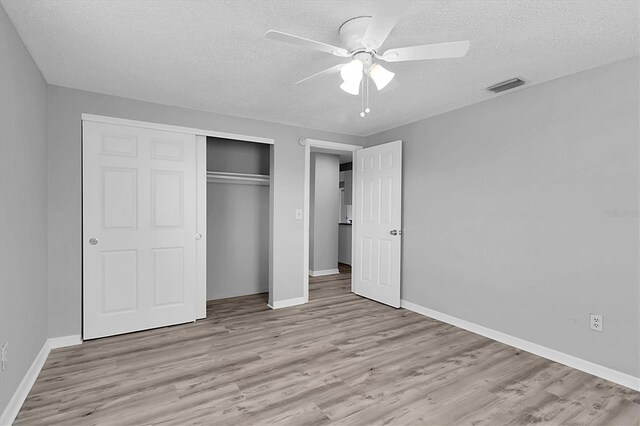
<point>139,228</point>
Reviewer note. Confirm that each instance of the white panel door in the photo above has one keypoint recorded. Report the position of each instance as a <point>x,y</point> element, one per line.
<point>377,223</point>
<point>139,229</point>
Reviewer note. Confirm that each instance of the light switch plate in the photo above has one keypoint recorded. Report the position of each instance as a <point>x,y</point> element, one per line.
<point>298,214</point>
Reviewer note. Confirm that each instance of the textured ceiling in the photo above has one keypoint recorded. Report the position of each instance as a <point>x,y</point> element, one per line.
<point>211,55</point>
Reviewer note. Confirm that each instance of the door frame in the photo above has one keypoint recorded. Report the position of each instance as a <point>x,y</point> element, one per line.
<point>316,143</point>
<point>201,194</point>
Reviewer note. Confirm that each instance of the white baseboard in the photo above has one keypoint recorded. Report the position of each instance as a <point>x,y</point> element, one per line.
<point>323,273</point>
<point>552,354</point>
<point>64,341</point>
<point>15,403</point>
<point>278,304</point>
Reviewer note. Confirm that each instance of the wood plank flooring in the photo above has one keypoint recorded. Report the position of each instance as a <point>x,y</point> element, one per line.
<point>339,359</point>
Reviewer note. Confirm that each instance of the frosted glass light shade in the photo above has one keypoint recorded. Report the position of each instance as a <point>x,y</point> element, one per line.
<point>380,75</point>
<point>352,71</point>
<point>351,87</point>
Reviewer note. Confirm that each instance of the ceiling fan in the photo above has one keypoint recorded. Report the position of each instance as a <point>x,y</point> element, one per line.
<point>362,37</point>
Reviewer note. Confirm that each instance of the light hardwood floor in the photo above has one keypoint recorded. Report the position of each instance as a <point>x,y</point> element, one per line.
<point>339,359</point>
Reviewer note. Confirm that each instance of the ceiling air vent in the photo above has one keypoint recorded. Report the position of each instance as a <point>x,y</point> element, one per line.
<point>506,85</point>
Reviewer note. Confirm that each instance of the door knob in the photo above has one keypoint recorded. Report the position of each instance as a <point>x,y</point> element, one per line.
<point>198,236</point>
<point>395,232</point>
<point>93,241</point>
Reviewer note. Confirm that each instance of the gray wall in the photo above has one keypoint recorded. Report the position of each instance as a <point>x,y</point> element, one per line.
<point>23,186</point>
<point>344,231</point>
<point>344,244</point>
<point>64,203</point>
<point>238,240</point>
<point>237,221</point>
<point>506,213</point>
<point>324,204</point>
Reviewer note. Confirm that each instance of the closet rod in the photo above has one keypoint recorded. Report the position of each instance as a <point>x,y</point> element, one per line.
<point>241,178</point>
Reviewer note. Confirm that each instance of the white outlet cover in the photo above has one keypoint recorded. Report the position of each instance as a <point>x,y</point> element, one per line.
<point>596,322</point>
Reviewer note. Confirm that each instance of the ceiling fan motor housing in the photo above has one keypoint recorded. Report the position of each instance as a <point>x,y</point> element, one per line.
<point>352,32</point>
<point>363,56</point>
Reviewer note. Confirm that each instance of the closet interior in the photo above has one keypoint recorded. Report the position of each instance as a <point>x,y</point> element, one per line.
<point>238,181</point>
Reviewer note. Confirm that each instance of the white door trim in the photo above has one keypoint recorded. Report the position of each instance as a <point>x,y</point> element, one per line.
<point>308,143</point>
<point>178,129</point>
<point>330,145</point>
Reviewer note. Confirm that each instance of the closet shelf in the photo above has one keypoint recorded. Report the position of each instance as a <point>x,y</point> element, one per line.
<point>238,178</point>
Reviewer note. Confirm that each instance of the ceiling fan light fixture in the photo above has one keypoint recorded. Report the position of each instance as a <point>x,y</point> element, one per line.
<point>362,37</point>
<point>352,72</point>
<point>351,87</point>
<point>380,75</point>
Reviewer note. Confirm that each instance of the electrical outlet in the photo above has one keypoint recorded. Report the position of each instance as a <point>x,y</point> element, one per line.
<point>4,356</point>
<point>596,322</point>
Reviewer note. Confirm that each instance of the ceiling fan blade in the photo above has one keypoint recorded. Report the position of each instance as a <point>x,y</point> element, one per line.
<point>385,16</point>
<point>305,42</point>
<point>333,70</point>
<point>456,49</point>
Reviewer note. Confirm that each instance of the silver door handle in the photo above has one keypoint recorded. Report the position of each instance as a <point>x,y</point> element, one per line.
<point>198,236</point>
<point>395,232</point>
<point>93,241</point>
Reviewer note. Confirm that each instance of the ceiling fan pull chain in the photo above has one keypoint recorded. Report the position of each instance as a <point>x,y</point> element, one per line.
<point>362,99</point>
<point>367,110</point>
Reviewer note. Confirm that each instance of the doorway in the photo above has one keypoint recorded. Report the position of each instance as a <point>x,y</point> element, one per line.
<point>377,218</point>
<point>328,208</point>
<point>330,217</point>
<point>238,215</point>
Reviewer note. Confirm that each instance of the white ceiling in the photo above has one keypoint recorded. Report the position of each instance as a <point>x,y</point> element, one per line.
<point>211,55</point>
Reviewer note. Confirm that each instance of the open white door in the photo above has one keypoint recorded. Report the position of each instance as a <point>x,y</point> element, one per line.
<point>377,223</point>
<point>139,228</point>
